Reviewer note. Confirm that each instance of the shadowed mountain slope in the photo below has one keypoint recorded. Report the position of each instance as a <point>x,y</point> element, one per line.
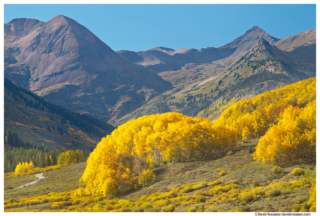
<point>41,122</point>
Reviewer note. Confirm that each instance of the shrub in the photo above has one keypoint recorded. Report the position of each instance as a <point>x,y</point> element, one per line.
<point>187,189</point>
<point>56,205</point>
<point>258,191</point>
<point>12,200</point>
<point>276,169</point>
<point>225,188</point>
<point>138,209</point>
<point>296,208</point>
<point>76,201</point>
<point>222,173</point>
<point>250,150</point>
<point>97,199</point>
<point>216,182</point>
<point>312,200</point>
<point>200,198</point>
<point>297,172</point>
<point>201,185</point>
<point>146,205</point>
<point>303,209</point>
<point>125,209</point>
<point>143,198</point>
<point>45,200</point>
<point>234,195</point>
<point>247,197</point>
<point>218,170</point>
<point>109,207</point>
<point>255,182</point>
<point>192,209</point>
<point>203,193</point>
<point>211,209</point>
<point>305,205</point>
<point>234,181</point>
<point>274,191</point>
<point>300,199</point>
<point>229,153</point>
<point>161,203</point>
<point>215,190</point>
<point>286,191</point>
<point>85,204</point>
<point>169,208</point>
<point>224,199</point>
<point>246,208</point>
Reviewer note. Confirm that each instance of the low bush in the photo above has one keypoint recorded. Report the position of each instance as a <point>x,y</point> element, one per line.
<point>200,186</point>
<point>296,208</point>
<point>276,169</point>
<point>56,205</point>
<point>258,191</point>
<point>76,201</point>
<point>300,199</point>
<point>229,153</point>
<point>211,209</point>
<point>222,173</point>
<point>246,208</point>
<point>256,182</point>
<point>216,182</point>
<point>297,172</point>
<point>234,181</point>
<point>187,189</point>
<point>286,191</point>
<point>200,199</point>
<point>12,200</point>
<point>169,208</point>
<point>192,209</point>
<point>274,191</point>
<point>125,209</point>
<point>247,197</point>
<point>138,209</point>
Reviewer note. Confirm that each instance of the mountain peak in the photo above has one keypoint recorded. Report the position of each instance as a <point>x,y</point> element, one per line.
<point>61,19</point>
<point>254,28</point>
<point>162,48</point>
<point>21,26</point>
<point>249,40</point>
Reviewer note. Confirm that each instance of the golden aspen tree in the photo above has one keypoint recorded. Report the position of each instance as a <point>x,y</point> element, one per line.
<point>18,169</point>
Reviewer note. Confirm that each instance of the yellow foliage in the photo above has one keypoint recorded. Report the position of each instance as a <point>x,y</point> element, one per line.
<point>312,200</point>
<point>216,182</point>
<point>297,172</point>
<point>247,197</point>
<point>153,140</point>
<point>146,177</point>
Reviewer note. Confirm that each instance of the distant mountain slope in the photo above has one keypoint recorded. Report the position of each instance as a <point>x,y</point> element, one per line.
<point>161,59</point>
<point>305,38</point>
<point>264,68</point>
<point>68,65</point>
<point>42,122</point>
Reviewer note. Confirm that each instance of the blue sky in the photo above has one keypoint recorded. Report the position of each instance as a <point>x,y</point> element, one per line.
<point>142,27</point>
